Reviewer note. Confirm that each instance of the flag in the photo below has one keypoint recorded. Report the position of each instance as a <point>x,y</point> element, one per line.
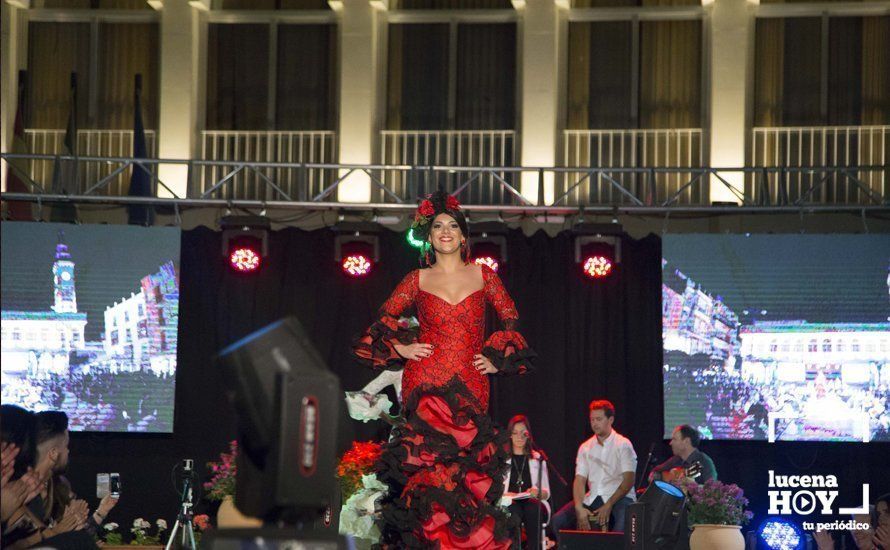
<point>65,176</point>
<point>140,180</point>
<point>18,210</point>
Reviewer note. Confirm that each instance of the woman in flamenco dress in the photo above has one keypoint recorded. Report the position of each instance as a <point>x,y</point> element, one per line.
<point>445,461</point>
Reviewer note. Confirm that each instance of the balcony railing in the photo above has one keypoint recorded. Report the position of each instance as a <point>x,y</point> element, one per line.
<point>669,148</point>
<point>863,146</point>
<point>467,148</point>
<point>180,175</point>
<point>90,143</point>
<point>315,147</point>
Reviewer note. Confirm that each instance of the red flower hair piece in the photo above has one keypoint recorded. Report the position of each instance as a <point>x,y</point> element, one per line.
<point>451,203</point>
<point>426,208</point>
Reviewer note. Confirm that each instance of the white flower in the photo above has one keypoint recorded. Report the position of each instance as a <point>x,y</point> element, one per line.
<point>161,524</point>
<point>110,526</point>
<point>140,523</point>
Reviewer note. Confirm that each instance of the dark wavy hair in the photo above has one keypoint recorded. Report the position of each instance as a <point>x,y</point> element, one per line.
<point>424,224</point>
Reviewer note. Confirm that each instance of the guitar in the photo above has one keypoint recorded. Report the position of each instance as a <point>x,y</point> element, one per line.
<point>678,473</point>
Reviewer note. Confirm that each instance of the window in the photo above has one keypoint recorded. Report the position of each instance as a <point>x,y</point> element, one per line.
<point>826,345</point>
<point>840,346</point>
<point>451,4</point>
<point>105,83</point>
<point>813,346</point>
<point>615,82</point>
<point>97,4</point>
<point>243,61</point>
<point>855,346</point>
<point>459,76</point>
<point>773,346</point>
<point>794,86</point>
<point>798,346</point>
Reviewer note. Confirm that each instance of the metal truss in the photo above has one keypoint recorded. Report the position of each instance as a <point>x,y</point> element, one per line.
<point>630,190</point>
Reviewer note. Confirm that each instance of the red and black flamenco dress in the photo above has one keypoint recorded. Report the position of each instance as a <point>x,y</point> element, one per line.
<point>444,464</point>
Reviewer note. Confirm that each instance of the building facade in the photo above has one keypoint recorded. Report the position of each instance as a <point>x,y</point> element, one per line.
<point>536,83</point>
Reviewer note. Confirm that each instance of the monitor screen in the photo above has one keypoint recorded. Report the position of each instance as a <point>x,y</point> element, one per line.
<point>777,337</point>
<point>90,319</point>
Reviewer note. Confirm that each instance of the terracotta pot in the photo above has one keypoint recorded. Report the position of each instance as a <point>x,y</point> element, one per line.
<point>229,517</point>
<point>716,537</point>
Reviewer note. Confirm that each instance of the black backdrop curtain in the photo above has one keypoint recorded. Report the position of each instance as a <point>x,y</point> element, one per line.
<point>594,340</point>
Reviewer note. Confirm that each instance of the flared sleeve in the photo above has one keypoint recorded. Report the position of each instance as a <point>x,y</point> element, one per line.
<point>375,348</point>
<point>506,349</point>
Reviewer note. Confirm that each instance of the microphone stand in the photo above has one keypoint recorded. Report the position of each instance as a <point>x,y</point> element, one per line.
<point>643,478</point>
<point>543,460</point>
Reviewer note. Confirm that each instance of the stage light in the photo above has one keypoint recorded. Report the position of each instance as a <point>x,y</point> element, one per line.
<point>598,255</point>
<point>245,242</point>
<point>357,265</point>
<point>657,520</point>
<point>487,260</point>
<point>245,259</point>
<point>781,534</point>
<point>597,267</point>
<point>488,250</point>
<point>356,249</point>
<point>488,246</point>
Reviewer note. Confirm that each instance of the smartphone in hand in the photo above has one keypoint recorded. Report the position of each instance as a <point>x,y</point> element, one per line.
<point>103,485</point>
<point>115,485</point>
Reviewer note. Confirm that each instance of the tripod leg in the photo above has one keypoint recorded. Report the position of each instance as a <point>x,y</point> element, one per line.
<point>170,540</point>
<point>191,532</point>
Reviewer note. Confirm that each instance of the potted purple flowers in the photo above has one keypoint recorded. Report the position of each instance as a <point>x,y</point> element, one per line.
<point>716,514</point>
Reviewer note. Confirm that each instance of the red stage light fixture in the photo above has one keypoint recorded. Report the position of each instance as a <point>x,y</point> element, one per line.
<point>488,249</point>
<point>487,260</point>
<point>597,267</point>
<point>245,242</point>
<point>356,253</point>
<point>597,255</point>
<point>245,259</point>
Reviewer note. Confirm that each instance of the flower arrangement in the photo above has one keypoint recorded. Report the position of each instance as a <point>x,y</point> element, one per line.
<point>716,503</point>
<point>222,482</point>
<point>202,523</point>
<point>141,536</point>
<point>355,463</point>
<point>112,537</point>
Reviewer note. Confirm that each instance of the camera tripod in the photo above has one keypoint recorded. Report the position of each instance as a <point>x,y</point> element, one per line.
<point>185,520</point>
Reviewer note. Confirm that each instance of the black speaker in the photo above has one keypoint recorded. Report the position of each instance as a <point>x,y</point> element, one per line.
<point>288,406</point>
<point>590,540</point>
